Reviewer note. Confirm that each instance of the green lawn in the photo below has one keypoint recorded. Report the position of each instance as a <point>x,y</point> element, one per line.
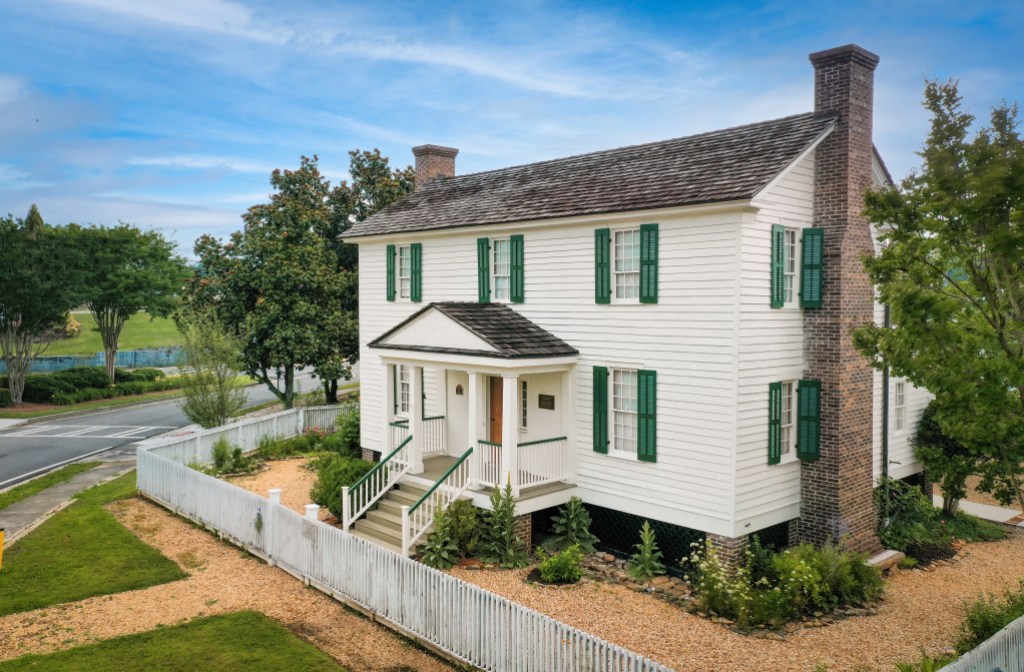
<point>244,642</point>
<point>138,332</point>
<point>80,552</point>
<point>20,492</point>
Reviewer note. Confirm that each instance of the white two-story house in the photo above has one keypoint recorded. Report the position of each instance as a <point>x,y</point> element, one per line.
<point>661,330</point>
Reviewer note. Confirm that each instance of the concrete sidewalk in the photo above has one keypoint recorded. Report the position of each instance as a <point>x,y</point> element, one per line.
<point>996,514</point>
<point>22,517</point>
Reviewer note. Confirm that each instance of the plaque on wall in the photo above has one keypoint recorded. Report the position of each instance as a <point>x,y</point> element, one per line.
<point>546,401</point>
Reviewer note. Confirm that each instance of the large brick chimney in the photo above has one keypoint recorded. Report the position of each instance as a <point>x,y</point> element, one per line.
<point>432,162</point>
<point>836,490</point>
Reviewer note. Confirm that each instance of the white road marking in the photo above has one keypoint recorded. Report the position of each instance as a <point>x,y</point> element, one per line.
<point>85,431</point>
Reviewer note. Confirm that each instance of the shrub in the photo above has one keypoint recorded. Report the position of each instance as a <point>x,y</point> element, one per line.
<point>270,448</point>
<point>563,567</point>
<point>221,453</point>
<point>81,377</point>
<point>333,472</point>
<point>947,461</point>
<point>137,375</point>
<point>913,525</point>
<point>441,551</point>
<point>465,526</point>
<point>572,528</point>
<point>72,327</point>
<point>987,616</point>
<point>498,540</point>
<point>925,664</point>
<point>646,563</point>
<point>348,429</point>
<point>5,398</point>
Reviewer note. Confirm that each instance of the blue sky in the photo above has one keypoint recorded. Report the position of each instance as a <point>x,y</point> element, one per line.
<point>171,115</point>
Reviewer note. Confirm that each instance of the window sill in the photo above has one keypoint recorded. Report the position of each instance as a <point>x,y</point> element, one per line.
<point>620,455</point>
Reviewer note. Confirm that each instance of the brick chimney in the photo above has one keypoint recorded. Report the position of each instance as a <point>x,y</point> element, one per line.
<point>432,162</point>
<point>836,490</point>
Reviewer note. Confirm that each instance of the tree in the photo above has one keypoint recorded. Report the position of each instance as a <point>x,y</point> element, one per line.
<point>947,461</point>
<point>213,392</point>
<point>126,270</point>
<point>950,269</point>
<point>285,283</point>
<point>33,220</point>
<point>37,289</point>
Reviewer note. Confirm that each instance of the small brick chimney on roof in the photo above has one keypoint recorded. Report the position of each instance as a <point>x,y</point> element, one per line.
<point>432,162</point>
<point>836,490</point>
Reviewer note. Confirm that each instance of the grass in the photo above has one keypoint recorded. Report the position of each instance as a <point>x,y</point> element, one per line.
<point>245,641</point>
<point>81,552</point>
<point>25,490</point>
<point>139,332</point>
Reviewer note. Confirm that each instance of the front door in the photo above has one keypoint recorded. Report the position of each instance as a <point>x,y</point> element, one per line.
<point>495,409</point>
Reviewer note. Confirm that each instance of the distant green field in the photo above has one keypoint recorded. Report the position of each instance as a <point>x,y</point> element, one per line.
<point>138,332</point>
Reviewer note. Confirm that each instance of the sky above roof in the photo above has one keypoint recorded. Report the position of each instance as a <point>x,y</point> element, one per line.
<point>171,115</point>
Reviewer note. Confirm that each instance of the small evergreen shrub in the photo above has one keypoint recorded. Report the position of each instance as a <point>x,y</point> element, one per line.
<point>441,551</point>
<point>562,567</point>
<point>5,398</point>
<point>572,528</point>
<point>987,616</point>
<point>348,430</point>
<point>646,563</point>
<point>498,541</point>
<point>465,524</point>
<point>221,453</point>
<point>333,472</point>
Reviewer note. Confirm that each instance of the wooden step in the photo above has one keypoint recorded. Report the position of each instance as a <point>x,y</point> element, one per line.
<point>373,539</point>
<point>386,517</point>
<point>389,534</point>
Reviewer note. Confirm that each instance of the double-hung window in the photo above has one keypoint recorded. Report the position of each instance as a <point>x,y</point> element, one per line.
<point>788,419</point>
<point>899,405</point>
<point>794,420</point>
<point>797,267</point>
<point>625,413</point>
<point>789,268</point>
<point>626,265</point>
<point>402,390</point>
<point>501,268</point>
<point>404,272</point>
<point>626,246</point>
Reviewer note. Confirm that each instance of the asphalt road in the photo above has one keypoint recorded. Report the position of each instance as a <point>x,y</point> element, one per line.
<point>27,450</point>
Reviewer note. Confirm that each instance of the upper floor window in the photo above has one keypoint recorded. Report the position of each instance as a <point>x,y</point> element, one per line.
<point>899,420</point>
<point>789,267</point>
<point>797,267</point>
<point>404,272</point>
<point>627,265</point>
<point>501,269</point>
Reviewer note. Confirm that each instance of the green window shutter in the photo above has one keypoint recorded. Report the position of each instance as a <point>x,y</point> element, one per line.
<point>417,272</point>
<point>391,272</point>
<point>600,409</point>
<point>774,423</point>
<point>483,268</point>
<point>778,261</point>
<point>812,257</point>
<point>647,407</point>
<point>808,417</point>
<point>649,263</point>
<point>518,270</point>
<point>602,266</point>
<point>394,389</point>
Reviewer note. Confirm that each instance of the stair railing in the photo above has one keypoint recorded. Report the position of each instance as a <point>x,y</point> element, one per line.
<point>364,493</point>
<point>417,519</point>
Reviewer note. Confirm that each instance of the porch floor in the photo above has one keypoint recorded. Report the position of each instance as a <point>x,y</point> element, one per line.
<point>434,468</point>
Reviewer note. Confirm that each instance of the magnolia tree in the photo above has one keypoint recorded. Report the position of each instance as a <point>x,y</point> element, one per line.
<point>951,268</point>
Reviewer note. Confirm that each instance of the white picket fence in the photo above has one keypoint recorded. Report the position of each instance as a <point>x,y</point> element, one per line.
<point>1002,652</point>
<point>469,623</point>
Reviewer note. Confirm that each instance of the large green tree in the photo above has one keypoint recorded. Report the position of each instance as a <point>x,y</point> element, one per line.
<point>286,284</point>
<point>951,268</point>
<point>125,271</point>
<point>38,286</point>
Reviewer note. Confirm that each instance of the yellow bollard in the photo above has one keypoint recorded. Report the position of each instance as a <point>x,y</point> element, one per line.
<point>1,548</point>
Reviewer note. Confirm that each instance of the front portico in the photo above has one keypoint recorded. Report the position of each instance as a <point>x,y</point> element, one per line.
<point>507,392</point>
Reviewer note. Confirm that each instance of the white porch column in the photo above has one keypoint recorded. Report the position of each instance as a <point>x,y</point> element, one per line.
<point>569,423</point>
<point>416,419</point>
<point>510,431</point>
<point>389,405</point>
<point>476,459</point>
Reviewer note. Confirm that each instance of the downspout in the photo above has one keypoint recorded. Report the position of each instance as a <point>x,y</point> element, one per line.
<point>887,492</point>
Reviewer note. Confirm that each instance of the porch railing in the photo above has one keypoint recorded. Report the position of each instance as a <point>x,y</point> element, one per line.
<point>434,436</point>
<point>541,462</point>
<point>416,519</point>
<point>364,493</point>
<point>488,463</point>
<point>399,432</point>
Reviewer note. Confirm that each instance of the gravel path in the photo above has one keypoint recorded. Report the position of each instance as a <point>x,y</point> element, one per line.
<point>222,580</point>
<point>290,475</point>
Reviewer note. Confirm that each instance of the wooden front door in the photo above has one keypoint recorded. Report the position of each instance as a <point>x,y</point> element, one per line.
<point>495,409</point>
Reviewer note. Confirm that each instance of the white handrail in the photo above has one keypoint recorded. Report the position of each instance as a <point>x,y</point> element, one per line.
<point>418,518</point>
<point>364,493</point>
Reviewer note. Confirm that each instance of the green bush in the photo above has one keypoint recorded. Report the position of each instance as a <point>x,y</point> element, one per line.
<point>333,472</point>
<point>563,567</point>
<point>5,398</point>
<point>465,525</point>
<point>120,390</point>
<point>646,563</point>
<point>987,616</point>
<point>81,377</point>
<point>441,550</point>
<point>348,429</point>
<point>572,528</point>
<point>772,588</point>
<point>88,383</point>
<point>136,375</point>
<point>221,453</point>
<point>925,664</point>
<point>498,540</point>
<point>948,462</point>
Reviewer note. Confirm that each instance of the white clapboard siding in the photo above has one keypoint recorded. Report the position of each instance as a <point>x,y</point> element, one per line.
<point>771,349</point>
<point>688,337</point>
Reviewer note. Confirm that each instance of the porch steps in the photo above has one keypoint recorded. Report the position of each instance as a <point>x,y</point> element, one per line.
<point>383,525</point>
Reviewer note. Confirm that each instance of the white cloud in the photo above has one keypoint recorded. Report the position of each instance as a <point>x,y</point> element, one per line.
<point>16,179</point>
<point>200,162</point>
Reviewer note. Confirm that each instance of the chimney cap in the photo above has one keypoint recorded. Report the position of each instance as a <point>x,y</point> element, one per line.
<point>849,52</point>
<point>422,150</point>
